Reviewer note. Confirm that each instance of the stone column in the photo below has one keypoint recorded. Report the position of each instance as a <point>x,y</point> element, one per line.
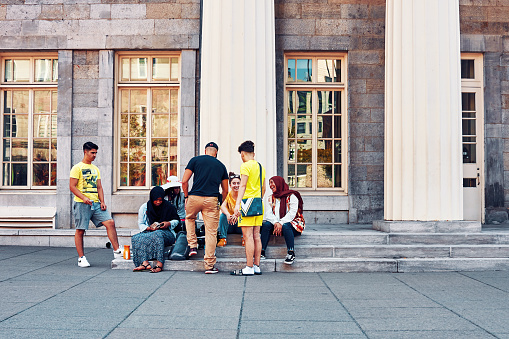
<point>423,163</point>
<point>238,79</point>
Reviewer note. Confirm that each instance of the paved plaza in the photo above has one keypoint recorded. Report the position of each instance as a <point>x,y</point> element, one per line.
<point>44,294</point>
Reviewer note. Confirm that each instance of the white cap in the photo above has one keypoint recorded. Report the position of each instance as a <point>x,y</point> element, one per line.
<point>172,181</point>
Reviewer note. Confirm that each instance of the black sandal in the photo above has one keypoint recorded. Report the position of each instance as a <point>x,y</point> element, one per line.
<point>143,270</point>
<point>155,268</point>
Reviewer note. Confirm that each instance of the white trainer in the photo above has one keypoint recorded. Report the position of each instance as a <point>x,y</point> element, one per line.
<point>118,254</point>
<point>83,262</point>
<point>248,271</point>
<point>257,270</point>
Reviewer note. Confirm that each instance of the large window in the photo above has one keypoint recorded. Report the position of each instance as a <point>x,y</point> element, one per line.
<point>316,121</point>
<point>148,125</point>
<point>29,121</point>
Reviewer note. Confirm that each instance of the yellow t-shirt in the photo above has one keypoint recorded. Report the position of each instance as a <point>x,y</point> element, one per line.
<point>252,170</point>
<point>87,175</point>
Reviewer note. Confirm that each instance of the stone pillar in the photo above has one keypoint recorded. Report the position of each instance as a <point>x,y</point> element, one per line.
<point>423,163</point>
<point>238,79</point>
<point>64,149</point>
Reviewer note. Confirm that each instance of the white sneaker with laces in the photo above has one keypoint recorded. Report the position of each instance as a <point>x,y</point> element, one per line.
<point>118,254</point>
<point>257,270</point>
<point>83,262</point>
<point>248,271</point>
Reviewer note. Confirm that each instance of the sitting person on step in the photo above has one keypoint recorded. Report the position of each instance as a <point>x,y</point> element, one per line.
<point>173,193</point>
<point>228,220</point>
<point>155,219</point>
<point>282,216</point>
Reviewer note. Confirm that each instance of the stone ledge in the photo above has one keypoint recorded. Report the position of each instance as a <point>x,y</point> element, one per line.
<point>455,226</point>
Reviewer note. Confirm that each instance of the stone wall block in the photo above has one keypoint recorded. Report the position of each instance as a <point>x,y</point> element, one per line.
<point>52,12</point>
<point>128,11</point>
<point>357,86</point>
<point>364,57</point>
<point>375,172</point>
<point>354,11</point>
<point>106,69</point>
<point>176,26</point>
<point>100,11</point>
<point>377,12</point>
<point>3,12</point>
<point>472,43</point>
<point>377,115</point>
<point>23,12</point>
<point>298,26</point>
<point>58,27</point>
<point>75,11</point>
<point>288,11</point>
<point>358,173</point>
<point>102,27</point>
<point>164,11</point>
<point>320,11</point>
<point>82,86</point>
<point>331,43</point>
<point>105,94</point>
<point>86,71</point>
<point>84,100</point>
<point>356,143</point>
<point>29,27</point>
<point>473,13</point>
<point>191,10</point>
<point>494,130</point>
<point>498,13</point>
<point>375,86</point>
<point>95,41</point>
<point>187,121</point>
<point>359,115</point>
<point>292,42</point>
<point>366,72</point>
<point>188,61</point>
<point>375,144</point>
<point>10,27</point>
<point>493,43</point>
<point>367,100</point>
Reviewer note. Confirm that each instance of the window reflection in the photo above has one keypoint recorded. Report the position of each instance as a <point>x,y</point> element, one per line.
<point>304,70</point>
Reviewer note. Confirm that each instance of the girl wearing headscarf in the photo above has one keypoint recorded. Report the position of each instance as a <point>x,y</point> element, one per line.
<point>282,216</point>
<point>155,218</point>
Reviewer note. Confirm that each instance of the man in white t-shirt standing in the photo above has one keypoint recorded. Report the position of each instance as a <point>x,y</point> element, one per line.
<point>85,184</point>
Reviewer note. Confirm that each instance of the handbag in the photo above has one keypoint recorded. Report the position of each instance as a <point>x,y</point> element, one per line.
<point>251,207</point>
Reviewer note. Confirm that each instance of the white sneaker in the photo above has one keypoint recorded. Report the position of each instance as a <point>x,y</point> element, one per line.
<point>248,271</point>
<point>118,254</point>
<point>83,262</point>
<point>257,270</point>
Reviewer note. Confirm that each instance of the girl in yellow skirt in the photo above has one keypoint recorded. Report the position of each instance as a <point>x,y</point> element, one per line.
<point>250,188</point>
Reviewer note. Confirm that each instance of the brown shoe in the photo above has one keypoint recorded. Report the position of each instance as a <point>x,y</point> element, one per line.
<point>221,243</point>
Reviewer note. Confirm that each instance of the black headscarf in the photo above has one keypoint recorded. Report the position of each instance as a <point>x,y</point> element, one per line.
<point>163,212</point>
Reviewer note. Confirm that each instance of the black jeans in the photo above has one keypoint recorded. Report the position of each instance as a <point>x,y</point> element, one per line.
<point>289,233</point>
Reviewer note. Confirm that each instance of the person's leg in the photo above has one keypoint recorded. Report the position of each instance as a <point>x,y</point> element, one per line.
<point>223,226</point>
<point>257,245</point>
<point>210,213</point>
<point>247,233</point>
<point>112,233</point>
<point>289,235</point>
<point>265,232</point>
<point>193,207</point>
<point>78,240</point>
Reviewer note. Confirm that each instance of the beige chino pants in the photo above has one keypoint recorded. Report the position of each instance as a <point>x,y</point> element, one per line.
<point>210,211</point>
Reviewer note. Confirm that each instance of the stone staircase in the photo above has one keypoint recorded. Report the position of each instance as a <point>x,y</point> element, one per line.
<point>359,248</point>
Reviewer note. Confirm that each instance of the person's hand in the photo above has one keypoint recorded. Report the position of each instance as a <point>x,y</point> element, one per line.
<point>278,228</point>
<point>232,219</point>
<point>236,211</point>
<point>153,227</point>
<point>87,201</point>
<point>103,206</point>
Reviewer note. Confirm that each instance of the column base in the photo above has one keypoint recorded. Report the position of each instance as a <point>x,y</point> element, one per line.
<point>410,226</point>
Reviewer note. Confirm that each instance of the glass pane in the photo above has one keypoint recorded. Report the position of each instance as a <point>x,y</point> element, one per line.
<point>291,176</point>
<point>325,126</point>
<point>175,69</point>
<point>20,125</point>
<point>124,105</point>
<point>7,149</point>
<point>468,101</point>
<point>19,101</point>
<point>174,127</point>
<point>43,70</point>
<point>124,149</point>
<point>136,174</point>
<point>337,102</point>
<point>325,102</point>
<point>291,70</point>
<point>291,99</point>
<point>125,69</point>
<point>470,182</point>
<point>139,69</point>
<point>467,69</point>
<point>324,175</point>
<point>304,176</point>
<point>137,150</point>
<point>304,151</point>
<point>173,169</point>
<point>324,148</point>
<point>469,139</point>
<point>291,150</point>
<point>19,150</point>
<point>21,73</point>
<point>173,150</point>
<point>160,125</point>
<point>138,101</point>
<point>291,126</point>
<point>124,125</point>
<point>468,127</point>
<point>337,126</point>
<point>123,174</point>
<point>160,101</point>
<point>55,71</point>
<point>159,174</point>
<point>304,126</point>
<point>337,151</point>
<point>160,150</point>
<point>161,69</point>
<point>469,154</point>
<point>337,175</point>
<point>304,70</point>
<point>468,115</point>
<point>41,174</point>
<point>7,125</point>
<point>54,150</point>
<point>7,175</point>
<point>8,73</point>
<point>138,125</point>
<point>329,70</point>
<point>54,126</point>
<point>42,126</point>
<point>41,150</point>
<point>174,101</point>
<point>42,102</point>
<point>19,175</point>
<point>54,102</point>
<point>304,103</point>
<point>8,102</point>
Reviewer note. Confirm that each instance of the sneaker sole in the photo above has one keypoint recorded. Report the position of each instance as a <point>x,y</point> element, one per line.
<point>288,263</point>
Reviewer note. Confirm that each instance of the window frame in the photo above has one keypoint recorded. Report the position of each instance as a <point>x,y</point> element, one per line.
<point>31,86</point>
<point>149,85</point>
<point>315,87</point>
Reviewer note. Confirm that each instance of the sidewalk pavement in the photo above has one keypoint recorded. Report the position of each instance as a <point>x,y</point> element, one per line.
<point>44,294</point>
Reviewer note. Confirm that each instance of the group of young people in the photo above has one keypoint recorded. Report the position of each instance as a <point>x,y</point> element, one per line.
<point>173,207</point>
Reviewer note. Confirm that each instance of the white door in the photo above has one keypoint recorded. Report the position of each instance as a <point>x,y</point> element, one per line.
<point>473,140</point>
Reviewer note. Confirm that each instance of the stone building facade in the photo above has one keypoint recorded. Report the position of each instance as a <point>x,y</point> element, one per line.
<point>91,40</point>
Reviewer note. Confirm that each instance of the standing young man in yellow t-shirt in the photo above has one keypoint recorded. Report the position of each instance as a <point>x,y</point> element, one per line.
<point>85,184</point>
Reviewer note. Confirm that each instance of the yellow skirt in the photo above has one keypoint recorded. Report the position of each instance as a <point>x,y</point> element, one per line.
<point>250,221</point>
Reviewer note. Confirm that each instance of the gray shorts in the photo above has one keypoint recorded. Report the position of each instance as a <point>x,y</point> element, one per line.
<point>84,213</point>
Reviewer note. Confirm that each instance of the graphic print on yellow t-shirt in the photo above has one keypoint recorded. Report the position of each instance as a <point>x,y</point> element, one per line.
<point>87,175</point>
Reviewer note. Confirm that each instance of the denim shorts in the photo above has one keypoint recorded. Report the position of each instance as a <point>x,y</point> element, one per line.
<point>84,213</point>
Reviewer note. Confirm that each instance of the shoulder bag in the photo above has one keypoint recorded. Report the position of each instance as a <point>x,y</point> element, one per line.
<point>251,207</point>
